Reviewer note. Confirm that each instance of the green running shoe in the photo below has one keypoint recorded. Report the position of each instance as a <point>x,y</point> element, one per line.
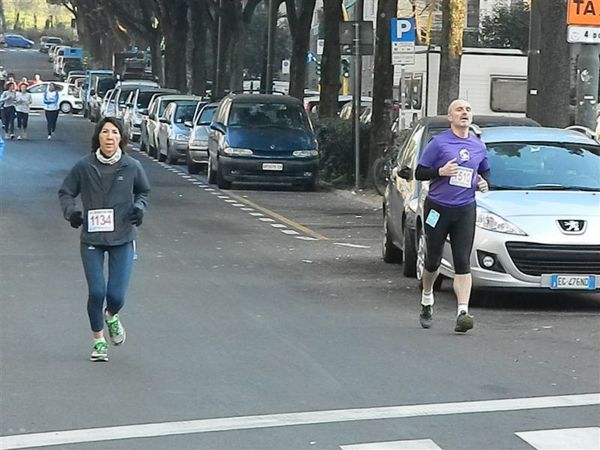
<point>99,352</point>
<point>116,331</point>
<point>426,316</point>
<point>464,322</point>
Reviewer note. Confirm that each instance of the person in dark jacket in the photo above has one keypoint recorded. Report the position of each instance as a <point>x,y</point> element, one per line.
<point>113,191</point>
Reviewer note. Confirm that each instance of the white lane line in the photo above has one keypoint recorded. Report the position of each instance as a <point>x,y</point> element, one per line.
<point>209,189</point>
<point>230,200</point>
<point>291,232</point>
<point>306,238</point>
<point>237,204</point>
<point>290,419</point>
<point>278,225</point>
<point>266,219</point>
<point>247,209</point>
<point>214,193</point>
<point>344,244</point>
<point>571,438</point>
<point>415,444</point>
<point>256,214</point>
<point>223,196</point>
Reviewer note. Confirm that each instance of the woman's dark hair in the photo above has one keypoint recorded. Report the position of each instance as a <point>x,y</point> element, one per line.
<point>98,129</point>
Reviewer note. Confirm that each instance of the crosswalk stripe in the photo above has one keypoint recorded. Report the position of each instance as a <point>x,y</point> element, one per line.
<point>417,444</point>
<point>571,438</point>
<point>147,430</point>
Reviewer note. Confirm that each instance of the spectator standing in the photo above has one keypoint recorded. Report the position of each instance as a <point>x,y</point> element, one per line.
<point>3,77</point>
<point>23,103</point>
<point>51,108</point>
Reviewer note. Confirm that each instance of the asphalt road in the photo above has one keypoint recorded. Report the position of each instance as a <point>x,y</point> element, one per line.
<point>266,319</point>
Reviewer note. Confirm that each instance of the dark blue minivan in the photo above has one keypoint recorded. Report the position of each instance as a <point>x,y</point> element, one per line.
<point>262,138</point>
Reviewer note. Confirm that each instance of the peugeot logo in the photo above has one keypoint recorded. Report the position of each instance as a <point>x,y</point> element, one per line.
<point>571,226</point>
<point>272,146</point>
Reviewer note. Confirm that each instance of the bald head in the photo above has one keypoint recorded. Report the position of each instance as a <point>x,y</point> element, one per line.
<point>460,116</point>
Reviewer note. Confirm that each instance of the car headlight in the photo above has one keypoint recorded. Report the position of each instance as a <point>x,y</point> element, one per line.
<point>305,153</point>
<point>181,137</point>
<point>197,143</point>
<point>492,222</point>
<point>232,151</point>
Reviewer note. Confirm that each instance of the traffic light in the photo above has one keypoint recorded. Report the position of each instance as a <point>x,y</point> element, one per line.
<point>345,68</point>
<point>318,68</point>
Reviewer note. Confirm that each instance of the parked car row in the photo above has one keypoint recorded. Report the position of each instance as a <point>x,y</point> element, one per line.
<point>537,226</point>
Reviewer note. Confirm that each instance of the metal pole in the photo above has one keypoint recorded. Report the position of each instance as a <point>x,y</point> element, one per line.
<point>272,17</point>
<point>533,61</point>
<point>357,91</point>
<point>402,116</point>
<point>588,66</point>
<point>216,94</point>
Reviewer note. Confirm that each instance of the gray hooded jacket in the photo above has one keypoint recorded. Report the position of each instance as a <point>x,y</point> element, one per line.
<point>130,187</point>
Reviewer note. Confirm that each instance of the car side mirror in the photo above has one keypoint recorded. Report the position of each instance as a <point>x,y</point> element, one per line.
<point>406,173</point>
<point>129,105</point>
<point>143,111</point>
<point>188,123</point>
<point>218,126</point>
<point>163,120</point>
<point>152,116</point>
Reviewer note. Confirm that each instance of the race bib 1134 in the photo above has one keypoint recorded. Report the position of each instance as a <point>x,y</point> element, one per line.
<point>101,220</point>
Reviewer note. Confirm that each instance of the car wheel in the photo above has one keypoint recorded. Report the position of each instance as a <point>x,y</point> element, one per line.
<point>410,255</point>
<point>192,167</point>
<point>65,107</point>
<point>212,175</point>
<point>171,158</point>
<point>421,253</point>
<point>221,181</point>
<point>391,253</point>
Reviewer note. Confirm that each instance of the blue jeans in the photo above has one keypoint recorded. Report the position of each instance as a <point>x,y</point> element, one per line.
<point>120,266</point>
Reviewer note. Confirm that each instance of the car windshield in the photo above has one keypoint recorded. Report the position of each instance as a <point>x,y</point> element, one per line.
<point>267,115</point>
<point>144,98</point>
<point>206,116</point>
<point>185,112</point>
<point>124,94</point>
<point>544,166</point>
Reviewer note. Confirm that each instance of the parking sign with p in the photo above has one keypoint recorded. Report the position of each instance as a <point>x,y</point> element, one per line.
<point>403,30</point>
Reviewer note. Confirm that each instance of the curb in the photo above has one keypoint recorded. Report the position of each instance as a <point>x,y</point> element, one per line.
<point>367,197</point>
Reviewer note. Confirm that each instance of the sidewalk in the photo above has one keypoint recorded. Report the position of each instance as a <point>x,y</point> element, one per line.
<point>368,197</point>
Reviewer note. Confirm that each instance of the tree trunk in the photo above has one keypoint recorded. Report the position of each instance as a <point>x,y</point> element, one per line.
<point>330,63</point>
<point>383,80</point>
<point>174,18</point>
<point>300,29</point>
<point>198,28</point>
<point>553,86</point>
<point>453,25</point>
<point>2,17</point>
<point>237,44</point>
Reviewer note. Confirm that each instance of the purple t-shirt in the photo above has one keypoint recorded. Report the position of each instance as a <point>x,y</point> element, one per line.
<point>471,157</point>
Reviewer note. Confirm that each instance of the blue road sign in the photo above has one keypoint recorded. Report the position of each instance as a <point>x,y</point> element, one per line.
<point>403,30</point>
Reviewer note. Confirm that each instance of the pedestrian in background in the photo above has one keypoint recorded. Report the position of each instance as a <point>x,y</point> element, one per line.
<point>24,81</point>
<point>23,103</point>
<point>455,163</point>
<point>37,79</point>
<point>8,99</point>
<point>113,189</point>
<point>51,108</point>
<point>3,77</point>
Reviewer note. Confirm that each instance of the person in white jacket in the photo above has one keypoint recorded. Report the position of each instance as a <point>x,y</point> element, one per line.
<point>51,108</point>
<point>23,102</point>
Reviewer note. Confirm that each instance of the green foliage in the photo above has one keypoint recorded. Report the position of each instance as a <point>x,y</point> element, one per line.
<point>507,27</point>
<point>335,137</point>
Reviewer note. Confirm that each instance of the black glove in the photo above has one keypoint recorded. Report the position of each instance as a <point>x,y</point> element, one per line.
<point>135,215</point>
<point>76,219</point>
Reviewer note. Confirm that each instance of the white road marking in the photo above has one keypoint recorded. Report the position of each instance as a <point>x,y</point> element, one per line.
<point>266,219</point>
<point>306,238</point>
<point>209,189</point>
<point>237,204</point>
<point>230,200</point>
<point>292,232</point>
<point>247,209</point>
<point>256,214</point>
<point>278,225</point>
<point>416,444</point>
<point>344,244</point>
<point>290,419</point>
<point>571,438</point>
<point>223,196</point>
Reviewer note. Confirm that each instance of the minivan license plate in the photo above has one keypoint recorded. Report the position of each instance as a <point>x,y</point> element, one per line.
<point>572,282</point>
<point>272,166</point>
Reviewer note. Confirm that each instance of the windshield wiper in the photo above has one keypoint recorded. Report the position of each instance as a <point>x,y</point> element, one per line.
<point>544,187</point>
<point>506,187</point>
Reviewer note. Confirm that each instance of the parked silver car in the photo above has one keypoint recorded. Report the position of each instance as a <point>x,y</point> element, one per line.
<point>174,134</point>
<point>537,227</point>
<point>197,153</point>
